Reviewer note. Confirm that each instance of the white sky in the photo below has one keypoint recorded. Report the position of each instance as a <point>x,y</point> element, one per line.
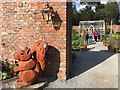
<point>104,1</point>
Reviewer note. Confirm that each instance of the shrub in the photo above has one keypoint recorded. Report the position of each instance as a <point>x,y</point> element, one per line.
<point>82,41</point>
<point>75,44</point>
<point>75,40</point>
<point>107,31</point>
<point>114,41</point>
<point>116,36</point>
<point>75,35</point>
<point>7,70</point>
<point>111,42</point>
<point>106,37</point>
<point>117,50</point>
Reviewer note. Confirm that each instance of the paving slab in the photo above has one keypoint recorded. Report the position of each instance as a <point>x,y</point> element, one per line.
<point>95,68</point>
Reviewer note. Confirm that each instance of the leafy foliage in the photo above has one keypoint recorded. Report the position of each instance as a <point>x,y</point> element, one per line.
<point>7,70</point>
<point>75,15</point>
<point>107,12</point>
<point>82,41</point>
<point>117,50</point>
<point>75,40</point>
<point>116,36</point>
<point>113,41</point>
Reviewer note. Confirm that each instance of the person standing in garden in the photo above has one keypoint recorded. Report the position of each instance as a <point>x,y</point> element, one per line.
<point>83,37</point>
<point>98,34</point>
<point>95,35</point>
<point>86,36</point>
<point>90,37</point>
<point>83,33</point>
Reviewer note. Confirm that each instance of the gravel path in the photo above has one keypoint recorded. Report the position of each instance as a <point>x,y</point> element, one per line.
<point>95,68</point>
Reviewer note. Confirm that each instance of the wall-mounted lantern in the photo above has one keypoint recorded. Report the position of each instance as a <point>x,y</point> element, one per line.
<point>56,20</point>
<point>56,25</point>
<point>47,12</point>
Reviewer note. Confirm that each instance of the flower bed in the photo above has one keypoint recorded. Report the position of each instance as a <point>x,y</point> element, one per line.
<point>113,43</point>
<point>7,70</point>
<point>8,77</point>
<point>75,40</point>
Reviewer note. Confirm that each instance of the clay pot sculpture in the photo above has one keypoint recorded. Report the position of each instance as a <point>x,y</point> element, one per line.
<point>83,48</point>
<point>30,68</point>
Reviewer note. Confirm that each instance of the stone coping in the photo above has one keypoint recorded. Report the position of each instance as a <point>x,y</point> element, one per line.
<point>8,83</point>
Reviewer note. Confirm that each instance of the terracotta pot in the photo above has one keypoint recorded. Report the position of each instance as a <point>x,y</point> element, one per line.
<point>83,48</point>
<point>105,44</point>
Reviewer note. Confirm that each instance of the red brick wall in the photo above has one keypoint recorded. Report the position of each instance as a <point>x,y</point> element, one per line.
<point>75,27</point>
<point>23,24</point>
<point>116,28</point>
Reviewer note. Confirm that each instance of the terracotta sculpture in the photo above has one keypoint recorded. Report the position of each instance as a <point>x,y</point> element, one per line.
<point>39,49</point>
<point>29,67</point>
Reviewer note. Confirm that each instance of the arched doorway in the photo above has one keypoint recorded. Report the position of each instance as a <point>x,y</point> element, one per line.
<point>91,29</point>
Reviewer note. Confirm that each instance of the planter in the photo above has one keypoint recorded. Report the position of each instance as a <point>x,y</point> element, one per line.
<point>10,83</point>
<point>110,48</point>
<point>83,48</point>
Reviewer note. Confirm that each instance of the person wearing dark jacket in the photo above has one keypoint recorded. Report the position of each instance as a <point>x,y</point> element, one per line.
<point>87,36</point>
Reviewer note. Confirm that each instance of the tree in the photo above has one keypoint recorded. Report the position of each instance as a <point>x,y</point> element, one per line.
<point>86,14</point>
<point>75,16</point>
<point>110,12</point>
<point>107,12</point>
<point>93,15</point>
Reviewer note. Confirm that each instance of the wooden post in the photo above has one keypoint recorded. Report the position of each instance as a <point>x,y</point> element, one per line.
<point>111,27</point>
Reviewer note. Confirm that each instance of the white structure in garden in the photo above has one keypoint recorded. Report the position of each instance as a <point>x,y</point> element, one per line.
<point>92,25</point>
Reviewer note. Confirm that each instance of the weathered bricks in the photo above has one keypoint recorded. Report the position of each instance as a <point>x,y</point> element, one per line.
<point>23,24</point>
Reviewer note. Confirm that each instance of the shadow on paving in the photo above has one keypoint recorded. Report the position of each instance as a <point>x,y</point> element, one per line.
<point>86,60</point>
